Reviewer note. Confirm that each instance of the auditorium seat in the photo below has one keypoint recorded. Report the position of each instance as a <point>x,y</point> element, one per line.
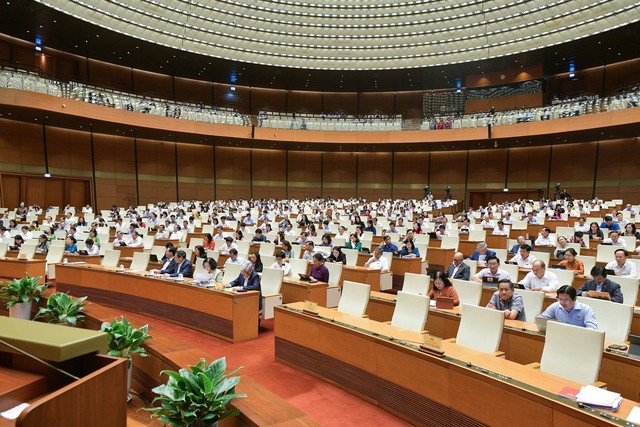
<point>613,319</point>
<point>469,292</point>
<point>354,299</point>
<point>480,328</point>
<point>533,301</point>
<point>411,311</point>
<point>270,284</point>
<point>416,283</point>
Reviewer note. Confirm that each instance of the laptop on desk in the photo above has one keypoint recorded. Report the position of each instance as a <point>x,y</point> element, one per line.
<point>610,272</point>
<point>490,281</point>
<point>634,345</point>
<point>153,258</point>
<point>559,267</point>
<point>541,323</point>
<point>82,252</point>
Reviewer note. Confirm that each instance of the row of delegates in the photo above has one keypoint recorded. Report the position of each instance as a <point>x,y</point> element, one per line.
<point>176,264</point>
<point>135,241</point>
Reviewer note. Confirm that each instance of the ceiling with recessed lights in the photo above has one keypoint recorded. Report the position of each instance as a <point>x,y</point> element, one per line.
<point>354,34</point>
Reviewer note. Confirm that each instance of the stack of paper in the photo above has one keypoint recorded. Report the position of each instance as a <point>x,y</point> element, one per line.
<point>594,396</point>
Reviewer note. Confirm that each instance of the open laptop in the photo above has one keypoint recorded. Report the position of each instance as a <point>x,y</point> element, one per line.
<point>490,281</point>
<point>153,258</point>
<point>307,278</point>
<point>541,323</point>
<point>559,267</point>
<point>610,272</point>
<point>365,250</point>
<point>82,252</point>
<point>634,345</point>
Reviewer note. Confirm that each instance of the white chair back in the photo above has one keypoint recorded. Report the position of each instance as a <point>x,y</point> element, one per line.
<point>297,250</point>
<point>271,281</point>
<point>231,272</point>
<point>533,301</point>
<point>354,299</point>
<point>268,260</point>
<point>140,261</point>
<point>105,246</point>
<point>27,251</point>
<point>267,249</point>
<point>564,344</point>
<point>335,273</point>
<point>298,266</point>
<point>352,256</point>
<point>613,318</point>
<point>199,267</point>
<point>501,254</point>
<point>469,292</point>
<point>158,251</point>
<point>111,258</point>
<point>605,253</point>
<point>512,269</point>
<point>473,265</point>
<point>243,247</point>
<point>588,261</point>
<point>416,283</point>
<point>565,277</point>
<point>195,241</point>
<point>628,287</point>
<point>422,250</point>
<point>450,242</point>
<point>477,235</point>
<point>4,247</point>
<point>147,241</point>
<point>213,254</point>
<point>55,254</point>
<point>411,311</point>
<point>480,328</point>
<point>543,256</point>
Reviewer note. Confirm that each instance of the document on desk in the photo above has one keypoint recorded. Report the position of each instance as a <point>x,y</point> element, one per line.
<point>13,413</point>
<point>594,396</point>
<point>634,415</point>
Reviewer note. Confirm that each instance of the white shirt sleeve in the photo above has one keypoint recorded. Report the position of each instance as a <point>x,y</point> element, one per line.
<point>552,284</point>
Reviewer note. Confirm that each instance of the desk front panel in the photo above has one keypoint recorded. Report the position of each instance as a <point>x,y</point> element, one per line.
<point>14,268</point>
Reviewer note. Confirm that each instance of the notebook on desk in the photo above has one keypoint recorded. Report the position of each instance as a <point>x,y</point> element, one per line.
<point>444,303</point>
<point>610,272</point>
<point>634,345</point>
<point>600,295</point>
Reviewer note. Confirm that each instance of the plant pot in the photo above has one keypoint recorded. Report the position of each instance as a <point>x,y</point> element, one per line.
<point>205,424</point>
<point>21,310</point>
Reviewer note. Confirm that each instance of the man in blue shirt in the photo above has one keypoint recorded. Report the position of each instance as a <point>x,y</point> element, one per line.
<point>608,223</point>
<point>388,246</point>
<point>568,310</point>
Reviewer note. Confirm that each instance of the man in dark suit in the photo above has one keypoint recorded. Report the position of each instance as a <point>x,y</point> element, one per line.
<point>481,253</point>
<point>169,261</point>
<point>183,265</point>
<point>458,269</point>
<point>600,283</point>
<point>247,280</point>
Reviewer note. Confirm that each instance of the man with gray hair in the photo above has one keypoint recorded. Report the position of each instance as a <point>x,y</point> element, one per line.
<point>481,253</point>
<point>247,280</point>
<point>377,261</point>
<point>540,279</point>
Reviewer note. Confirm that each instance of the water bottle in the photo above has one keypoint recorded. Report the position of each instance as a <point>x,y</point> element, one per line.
<point>121,267</point>
<point>180,276</point>
<point>64,261</point>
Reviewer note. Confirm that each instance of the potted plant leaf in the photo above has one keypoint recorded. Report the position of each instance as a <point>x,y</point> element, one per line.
<point>197,396</point>
<point>20,295</point>
<point>62,309</point>
<point>124,341</point>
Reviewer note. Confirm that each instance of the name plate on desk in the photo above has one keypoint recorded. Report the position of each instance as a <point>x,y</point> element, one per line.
<point>310,307</point>
<point>432,345</point>
<point>22,256</point>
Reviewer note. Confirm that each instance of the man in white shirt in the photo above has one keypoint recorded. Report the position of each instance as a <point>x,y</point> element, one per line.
<point>581,225</point>
<point>228,245</point>
<point>506,219</point>
<point>545,238</point>
<point>377,261</point>
<point>119,240</point>
<point>615,240</point>
<point>622,266</point>
<point>493,271</point>
<point>487,221</point>
<point>25,233</point>
<point>524,258</point>
<point>136,240</point>
<point>309,250</point>
<point>234,258</point>
<point>177,234</point>
<point>540,279</point>
<point>92,249</point>
<point>161,233</point>
<point>218,235</point>
<point>500,230</point>
<point>281,264</point>
<point>442,231</point>
<point>467,226</point>
<point>289,231</point>
<point>248,220</point>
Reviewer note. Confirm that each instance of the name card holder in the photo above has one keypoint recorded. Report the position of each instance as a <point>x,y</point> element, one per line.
<point>432,345</point>
<point>310,308</point>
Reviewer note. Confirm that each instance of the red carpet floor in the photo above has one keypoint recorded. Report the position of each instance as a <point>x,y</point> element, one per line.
<point>325,403</point>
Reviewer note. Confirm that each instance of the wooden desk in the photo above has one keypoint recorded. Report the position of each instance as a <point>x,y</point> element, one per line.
<point>14,268</point>
<point>227,315</point>
<point>420,388</point>
<point>127,251</point>
<point>439,258</point>
<point>163,242</point>
<point>295,290</point>
<point>362,275</point>
<point>619,371</point>
<point>467,246</point>
<point>496,242</point>
<point>89,259</point>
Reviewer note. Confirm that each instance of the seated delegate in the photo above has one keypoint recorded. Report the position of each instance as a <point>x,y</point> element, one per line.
<point>568,310</point>
<point>247,280</point>
<point>600,283</point>
<point>507,301</point>
<point>442,287</point>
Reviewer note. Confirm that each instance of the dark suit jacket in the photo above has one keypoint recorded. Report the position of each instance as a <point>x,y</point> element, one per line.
<point>253,284</point>
<point>608,286</point>
<point>170,268</point>
<point>186,269</point>
<point>476,255</point>
<point>463,273</point>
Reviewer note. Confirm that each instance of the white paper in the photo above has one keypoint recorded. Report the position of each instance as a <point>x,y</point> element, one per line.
<point>13,413</point>
<point>592,395</point>
<point>634,415</point>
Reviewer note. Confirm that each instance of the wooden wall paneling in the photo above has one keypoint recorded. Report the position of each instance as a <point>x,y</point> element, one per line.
<point>376,103</point>
<point>195,171</point>
<point>11,191</point>
<point>340,102</point>
<point>5,51</point>
<point>46,64</point>
<point>239,99</point>
<point>196,91</point>
<point>54,192</point>
<point>374,175</point>
<point>409,104</point>
<point>153,84</point>
<point>339,174</point>
<point>21,147</point>
<point>24,56</point>
<point>269,174</point>
<point>268,100</point>
<point>529,168</point>
<point>156,171</point>
<point>448,168</point>
<point>411,172</point>
<point>573,166</point>
<point>505,103</point>
<point>504,77</point>
<point>103,74</point>
<point>69,152</point>
<point>76,192</point>
<point>66,68</point>
<point>304,101</point>
<point>621,75</point>
<point>35,191</point>
<point>304,174</point>
<point>617,169</point>
<point>487,170</point>
<point>233,174</point>
<point>115,171</point>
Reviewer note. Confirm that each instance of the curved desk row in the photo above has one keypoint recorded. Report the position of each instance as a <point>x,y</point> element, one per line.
<point>228,315</point>
<point>465,387</point>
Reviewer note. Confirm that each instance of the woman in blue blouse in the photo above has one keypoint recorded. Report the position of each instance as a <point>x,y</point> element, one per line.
<point>71,246</point>
<point>409,250</point>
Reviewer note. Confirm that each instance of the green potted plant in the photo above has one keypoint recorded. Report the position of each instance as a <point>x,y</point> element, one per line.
<point>62,309</point>
<point>20,295</point>
<point>198,396</point>
<point>124,341</point>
